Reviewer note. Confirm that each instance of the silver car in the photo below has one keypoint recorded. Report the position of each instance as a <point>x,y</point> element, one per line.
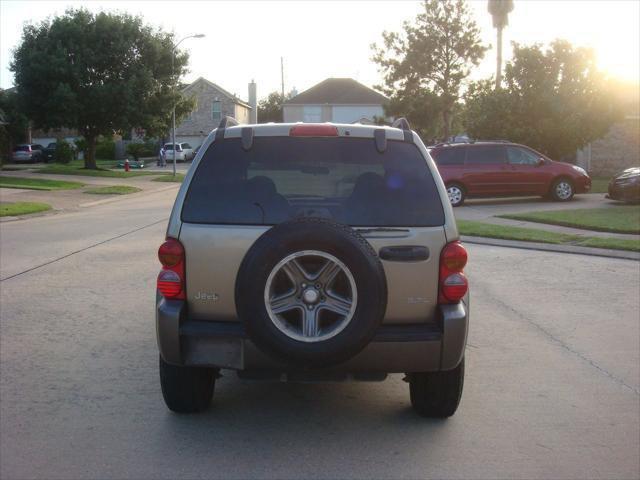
<point>312,252</point>
<point>28,152</point>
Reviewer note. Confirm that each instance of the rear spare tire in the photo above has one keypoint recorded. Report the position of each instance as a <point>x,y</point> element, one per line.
<point>311,292</point>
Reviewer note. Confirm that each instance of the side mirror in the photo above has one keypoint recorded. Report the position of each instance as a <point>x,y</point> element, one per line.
<point>541,161</point>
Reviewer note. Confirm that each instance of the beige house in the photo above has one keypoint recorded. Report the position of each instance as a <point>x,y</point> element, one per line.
<point>339,100</point>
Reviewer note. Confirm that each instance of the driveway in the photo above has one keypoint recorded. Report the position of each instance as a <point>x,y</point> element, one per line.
<point>552,387</point>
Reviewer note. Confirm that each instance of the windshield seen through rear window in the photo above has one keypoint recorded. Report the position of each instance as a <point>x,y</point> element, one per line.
<point>343,179</point>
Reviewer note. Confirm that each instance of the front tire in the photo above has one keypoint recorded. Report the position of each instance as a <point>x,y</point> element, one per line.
<point>437,394</point>
<point>456,194</point>
<point>562,190</point>
<point>187,389</point>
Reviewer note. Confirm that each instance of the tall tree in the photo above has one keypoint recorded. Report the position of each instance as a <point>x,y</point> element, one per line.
<point>430,60</point>
<point>554,100</point>
<point>270,108</point>
<point>499,10</point>
<point>15,123</point>
<point>100,73</point>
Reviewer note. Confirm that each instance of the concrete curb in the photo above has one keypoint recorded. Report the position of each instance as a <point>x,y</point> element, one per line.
<point>119,198</point>
<point>549,247</point>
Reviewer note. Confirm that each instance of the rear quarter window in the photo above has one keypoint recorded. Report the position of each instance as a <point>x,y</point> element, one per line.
<point>485,155</point>
<point>449,156</point>
<point>343,179</point>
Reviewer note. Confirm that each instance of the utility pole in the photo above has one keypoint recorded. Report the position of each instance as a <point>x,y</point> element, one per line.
<point>282,76</point>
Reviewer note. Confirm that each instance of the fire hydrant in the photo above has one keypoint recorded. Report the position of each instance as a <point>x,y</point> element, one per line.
<point>126,165</point>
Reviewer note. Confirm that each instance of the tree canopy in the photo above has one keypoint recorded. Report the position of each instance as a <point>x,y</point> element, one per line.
<point>101,74</point>
<point>424,67</point>
<point>554,100</point>
<point>270,108</point>
<point>16,123</point>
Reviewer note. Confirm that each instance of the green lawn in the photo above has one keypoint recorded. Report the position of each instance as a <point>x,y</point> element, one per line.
<point>22,208</point>
<point>621,219</point>
<point>113,190</point>
<point>170,178</point>
<point>479,229</point>
<point>80,170</point>
<point>37,183</point>
<point>505,232</point>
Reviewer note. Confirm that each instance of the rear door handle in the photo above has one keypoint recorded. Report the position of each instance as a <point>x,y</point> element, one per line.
<point>404,253</point>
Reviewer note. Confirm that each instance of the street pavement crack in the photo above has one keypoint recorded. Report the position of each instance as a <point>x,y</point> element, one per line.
<point>83,250</point>
<point>563,345</point>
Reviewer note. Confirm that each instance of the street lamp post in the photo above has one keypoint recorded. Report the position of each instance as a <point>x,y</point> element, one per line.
<point>173,115</point>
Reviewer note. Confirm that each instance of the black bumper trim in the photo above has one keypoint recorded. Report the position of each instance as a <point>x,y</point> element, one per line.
<point>387,333</point>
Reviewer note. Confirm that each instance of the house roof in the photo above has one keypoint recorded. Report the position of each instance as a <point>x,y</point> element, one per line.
<point>217,87</point>
<point>345,91</point>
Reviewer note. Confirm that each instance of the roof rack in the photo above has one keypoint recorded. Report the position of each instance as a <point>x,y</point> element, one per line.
<point>401,123</point>
<point>227,121</point>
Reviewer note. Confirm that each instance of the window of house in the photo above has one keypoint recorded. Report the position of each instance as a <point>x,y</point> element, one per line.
<point>216,111</point>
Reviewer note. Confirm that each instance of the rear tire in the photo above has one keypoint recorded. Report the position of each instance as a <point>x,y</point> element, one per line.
<point>456,194</point>
<point>437,394</point>
<point>187,389</point>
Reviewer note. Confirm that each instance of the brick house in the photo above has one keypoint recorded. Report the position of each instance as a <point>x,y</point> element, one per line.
<point>212,103</point>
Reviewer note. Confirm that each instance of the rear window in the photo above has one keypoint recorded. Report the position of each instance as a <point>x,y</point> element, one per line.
<point>449,156</point>
<point>344,179</point>
<point>21,148</point>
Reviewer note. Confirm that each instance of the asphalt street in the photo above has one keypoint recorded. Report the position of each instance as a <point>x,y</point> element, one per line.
<point>552,387</point>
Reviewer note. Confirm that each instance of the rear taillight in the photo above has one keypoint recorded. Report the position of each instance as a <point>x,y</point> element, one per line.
<point>171,278</point>
<point>453,284</point>
<point>313,130</point>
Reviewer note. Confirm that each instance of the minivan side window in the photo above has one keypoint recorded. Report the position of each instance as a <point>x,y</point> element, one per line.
<point>485,154</point>
<point>450,156</point>
<point>521,156</point>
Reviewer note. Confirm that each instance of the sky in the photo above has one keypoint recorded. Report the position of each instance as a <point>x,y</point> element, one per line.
<point>244,40</point>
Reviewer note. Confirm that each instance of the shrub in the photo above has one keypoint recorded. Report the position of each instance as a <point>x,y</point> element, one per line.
<point>81,146</point>
<point>135,149</point>
<point>146,149</point>
<point>106,150</point>
<point>64,152</point>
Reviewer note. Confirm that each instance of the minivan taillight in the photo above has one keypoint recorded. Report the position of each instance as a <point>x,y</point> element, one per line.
<point>171,279</point>
<point>453,284</point>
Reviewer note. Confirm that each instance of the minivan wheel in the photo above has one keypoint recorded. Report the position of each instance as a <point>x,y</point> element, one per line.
<point>437,394</point>
<point>562,190</point>
<point>456,194</point>
<point>187,389</point>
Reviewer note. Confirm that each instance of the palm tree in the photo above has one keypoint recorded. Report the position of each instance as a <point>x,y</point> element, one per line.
<point>499,10</point>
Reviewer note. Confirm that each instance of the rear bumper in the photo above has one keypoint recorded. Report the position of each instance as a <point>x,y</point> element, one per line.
<point>395,349</point>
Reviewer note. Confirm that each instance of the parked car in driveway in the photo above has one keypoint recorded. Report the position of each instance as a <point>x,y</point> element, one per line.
<point>184,152</point>
<point>625,186</point>
<point>28,152</point>
<point>312,252</point>
<point>492,169</point>
<point>50,152</point>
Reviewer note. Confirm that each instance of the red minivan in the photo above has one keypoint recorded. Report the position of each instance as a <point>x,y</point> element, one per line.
<point>504,169</point>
